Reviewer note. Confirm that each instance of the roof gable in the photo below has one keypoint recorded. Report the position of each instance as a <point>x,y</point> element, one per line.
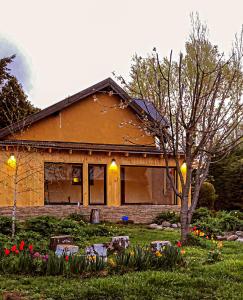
<point>138,106</point>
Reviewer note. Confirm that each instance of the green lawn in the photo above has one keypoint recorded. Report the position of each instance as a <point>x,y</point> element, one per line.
<point>221,280</point>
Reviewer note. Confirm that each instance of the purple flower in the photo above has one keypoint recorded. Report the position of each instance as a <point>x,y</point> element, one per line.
<point>45,257</point>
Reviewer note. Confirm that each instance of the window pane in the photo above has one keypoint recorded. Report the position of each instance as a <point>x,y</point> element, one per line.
<point>97,184</point>
<point>146,185</point>
<point>63,183</point>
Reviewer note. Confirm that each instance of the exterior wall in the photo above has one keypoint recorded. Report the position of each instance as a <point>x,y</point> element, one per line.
<point>31,189</point>
<point>84,122</point>
<point>142,214</point>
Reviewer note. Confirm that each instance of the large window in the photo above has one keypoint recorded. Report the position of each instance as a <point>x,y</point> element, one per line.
<point>97,184</point>
<point>146,185</point>
<point>63,183</point>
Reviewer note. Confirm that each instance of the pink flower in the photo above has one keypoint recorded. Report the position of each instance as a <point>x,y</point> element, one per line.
<point>16,251</point>
<point>36,255</point>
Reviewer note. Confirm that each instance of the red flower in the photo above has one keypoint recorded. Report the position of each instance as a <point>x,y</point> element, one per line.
<point>6,251</point>
<point>194,228</point>
<point>66,257</point>
<point>21,246</point>
<point>179,244</point>
<point>14,247</point>
<point>31,248</point>
<point>17,251</point>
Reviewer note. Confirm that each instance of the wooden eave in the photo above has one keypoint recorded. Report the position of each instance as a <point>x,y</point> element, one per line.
<point>87,147</point>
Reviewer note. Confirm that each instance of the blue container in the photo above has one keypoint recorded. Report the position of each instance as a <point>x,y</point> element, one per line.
<point>125,218</point>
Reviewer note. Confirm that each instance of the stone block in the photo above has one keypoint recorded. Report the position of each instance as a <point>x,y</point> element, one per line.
<point>232,237</point>
<point>166,224</point>
<point>61,239</point>
<point>158,245</point>
<point>63,249</point>
<point>119,243</point>
<point>239,233</point>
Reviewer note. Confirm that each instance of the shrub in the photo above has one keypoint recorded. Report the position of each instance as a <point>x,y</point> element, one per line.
<point>222,221</point>
<point>201,213</point>
<point>169,216</point>
<point>228,222</point>
<point>210,226</point>
<point>68,226</point>
<point>45,225</point>
<point>238,214</point>
<point>207,195</point>
<point>78,217</point>
<point>6,225</point>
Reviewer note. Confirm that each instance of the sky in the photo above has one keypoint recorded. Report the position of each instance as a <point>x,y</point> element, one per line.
<point>65,46</point>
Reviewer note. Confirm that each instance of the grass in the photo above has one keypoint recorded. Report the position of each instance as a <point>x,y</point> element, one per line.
<point>222,280</point>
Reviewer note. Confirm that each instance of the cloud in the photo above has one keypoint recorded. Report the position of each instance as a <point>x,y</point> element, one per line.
<point>19,67</point>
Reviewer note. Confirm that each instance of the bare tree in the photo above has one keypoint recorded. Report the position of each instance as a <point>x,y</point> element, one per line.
<point>20,173</point>
<point>21,168</point>
<point>200,95</point>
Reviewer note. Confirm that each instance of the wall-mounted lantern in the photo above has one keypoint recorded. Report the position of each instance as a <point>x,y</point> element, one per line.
<point>183,168</point>
<point>113,165</point>
<point>11,162</point>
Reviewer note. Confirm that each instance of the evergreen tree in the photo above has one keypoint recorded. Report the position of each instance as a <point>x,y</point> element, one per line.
<point>14,105</point>
<point>228,180</point>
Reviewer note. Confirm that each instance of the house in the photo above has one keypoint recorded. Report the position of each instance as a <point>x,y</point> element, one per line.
<point>88,150</point>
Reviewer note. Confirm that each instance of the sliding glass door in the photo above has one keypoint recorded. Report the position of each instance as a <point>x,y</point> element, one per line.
<point>147,185</point>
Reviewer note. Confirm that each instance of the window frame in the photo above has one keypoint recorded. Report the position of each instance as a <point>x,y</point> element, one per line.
<point>105,185</point>
<point>123,191</point>
<point>81,185</point>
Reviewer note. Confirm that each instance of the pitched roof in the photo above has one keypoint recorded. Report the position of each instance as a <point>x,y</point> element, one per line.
<point>139,106</point>
<point>150,110</point>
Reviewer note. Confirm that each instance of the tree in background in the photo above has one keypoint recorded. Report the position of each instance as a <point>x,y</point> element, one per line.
<point>24,168</point>
<point>14,105</point>
<point>228,180</point>
<point>200,96</point>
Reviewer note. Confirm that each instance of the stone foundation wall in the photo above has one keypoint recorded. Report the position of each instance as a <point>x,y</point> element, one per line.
<point>142,214</point>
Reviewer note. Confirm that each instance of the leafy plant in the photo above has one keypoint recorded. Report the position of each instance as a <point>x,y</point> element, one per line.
<point>45,225</point>
<point>201,214</point>
<point>169,216</point>
<point>6,225</point>
<point>78,217</point>
<point>68,226</point>
<point>228,221</point>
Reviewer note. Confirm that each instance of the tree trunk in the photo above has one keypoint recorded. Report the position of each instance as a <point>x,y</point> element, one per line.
<point>185,224</point>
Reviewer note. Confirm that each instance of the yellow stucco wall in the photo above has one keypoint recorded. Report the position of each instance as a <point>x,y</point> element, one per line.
<point>86,122</point>
<point>34,184</point>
